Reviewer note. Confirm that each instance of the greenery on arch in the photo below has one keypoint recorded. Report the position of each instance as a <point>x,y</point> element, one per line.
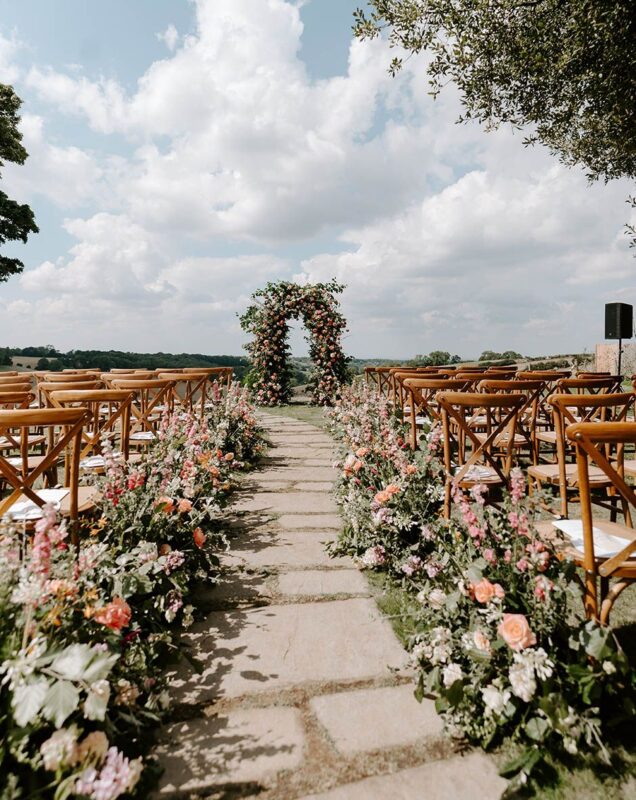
<point>267,319</point>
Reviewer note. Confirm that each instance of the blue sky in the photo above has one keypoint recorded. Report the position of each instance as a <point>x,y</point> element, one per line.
<point>183,153</point>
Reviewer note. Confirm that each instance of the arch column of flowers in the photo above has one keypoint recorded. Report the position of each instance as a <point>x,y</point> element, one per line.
<point>267,320</point>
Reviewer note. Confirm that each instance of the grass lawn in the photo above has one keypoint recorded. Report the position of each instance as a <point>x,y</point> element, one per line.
<point>313,415</point>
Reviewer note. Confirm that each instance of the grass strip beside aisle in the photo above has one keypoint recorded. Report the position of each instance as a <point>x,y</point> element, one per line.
<point>84,640</point>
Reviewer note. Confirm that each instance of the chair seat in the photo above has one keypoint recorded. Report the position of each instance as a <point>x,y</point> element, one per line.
<point>87,496</point>
<point>625,570</point>
<point>629,466</point>
<point>503,438</point>
<point>143,436</point>
<point>7,444</point>
<point>546,436</point>
<point>33,462</point>
<point>549,473</point>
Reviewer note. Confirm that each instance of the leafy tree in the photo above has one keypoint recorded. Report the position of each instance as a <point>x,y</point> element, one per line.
<point>563,69</point>
<point>16,220</point>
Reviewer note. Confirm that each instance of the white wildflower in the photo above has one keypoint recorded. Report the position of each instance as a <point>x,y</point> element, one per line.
<point>522,681</point>
<point>436,599</point>
<point>609,668</point>
<point>451,673</point>
<point>495,699</point>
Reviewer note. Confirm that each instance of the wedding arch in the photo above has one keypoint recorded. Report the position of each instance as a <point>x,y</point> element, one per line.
<point>267,319</point>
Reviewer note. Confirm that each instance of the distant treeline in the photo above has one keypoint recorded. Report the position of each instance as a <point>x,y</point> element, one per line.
<point>51,359</point>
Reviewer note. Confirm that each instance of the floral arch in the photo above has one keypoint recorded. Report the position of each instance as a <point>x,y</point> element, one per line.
<point>268,319</point>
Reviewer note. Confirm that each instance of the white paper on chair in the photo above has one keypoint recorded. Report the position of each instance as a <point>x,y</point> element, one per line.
<point>605,545</point>
<point>475,473</point>
<point>92,462</point>
<point>145,436</point>
<point>27,509</point>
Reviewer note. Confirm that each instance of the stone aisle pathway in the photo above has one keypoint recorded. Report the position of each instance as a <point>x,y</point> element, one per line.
<point>305,691</point>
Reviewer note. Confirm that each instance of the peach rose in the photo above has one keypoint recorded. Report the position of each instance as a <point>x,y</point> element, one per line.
<point>410,469</point>
<point>482,642</point>
<point>199,537</point>
<point>515,632</point>
<point>357,466</point>
<point>116,615</point>
<point>184,506</point>
<point>484,591</point>
<point>393,488</point>
<point>361,452</point>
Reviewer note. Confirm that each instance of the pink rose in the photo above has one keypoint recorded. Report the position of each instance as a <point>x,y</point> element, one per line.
<point>184,506</point>
<point>199,537</point>
<point>515,632</point>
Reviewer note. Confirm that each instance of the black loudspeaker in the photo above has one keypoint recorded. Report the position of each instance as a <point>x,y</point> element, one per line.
<point>618,321</point>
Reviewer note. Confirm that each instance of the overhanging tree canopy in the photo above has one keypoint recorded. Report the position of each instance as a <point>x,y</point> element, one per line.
<point>16,220</point>
<point>267,320</point>
<point>565,69</point>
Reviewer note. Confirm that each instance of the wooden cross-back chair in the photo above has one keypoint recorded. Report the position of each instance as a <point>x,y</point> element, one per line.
<point>14,378</point>
<point>151,399</point>
<point>570,410</point>
<point>421,396</point>
<point>190,390</point>
<point>398,392</point>
<point>22,479</point>
<point>108,415</point>
<point>23,386</point>
<point>488,463</point>
<point>524,435</point>
<point>383,378</point>
<point>618,563</point>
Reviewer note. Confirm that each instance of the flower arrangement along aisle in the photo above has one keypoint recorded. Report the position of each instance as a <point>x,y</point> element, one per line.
<point>499,641</point>
<point>85,637</point>
<point>385,490</point>
<point>267,320</point>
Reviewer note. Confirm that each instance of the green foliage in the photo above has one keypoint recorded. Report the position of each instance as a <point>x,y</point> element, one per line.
<point>508,356</point>
<point>564,69</point>
<point>17,220</point>
<point>436,358</point>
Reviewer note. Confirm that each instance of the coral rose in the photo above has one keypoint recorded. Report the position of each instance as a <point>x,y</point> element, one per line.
<point>515,632</point>
<point>165,503</point>
<point>116,615</point>
<point>382,497</point>
<point>184,506</point>
<point>199,537</point>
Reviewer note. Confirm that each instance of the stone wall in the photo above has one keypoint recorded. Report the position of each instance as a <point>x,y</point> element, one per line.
<point>607,358</point>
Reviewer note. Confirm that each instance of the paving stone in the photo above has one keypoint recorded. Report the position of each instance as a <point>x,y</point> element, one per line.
<point>322,582</point>
<point>283,550</point>
<point>298,439</point>
<point>238,747</point>
<point>234,587</point>
<point>302,452</point>
<point>330,522</point>
<point>296,473</point>
<point>288,502</point>
<point>262,649</point>
<point>319,462</point>
<point>471,777</point>
<point>372,719</point>
<point>313,486</point>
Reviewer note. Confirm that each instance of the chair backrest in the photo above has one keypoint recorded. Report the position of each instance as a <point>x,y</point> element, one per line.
<point>82,371</point>
<point>22,480</point>
<point>43,390</point>
<point>108,415</point>
<point>13,373</point>
<point>499,411</point>
<point>14,377</point>
<point>585,385</point>
<point>110,377</point>
<point>592,441</point>
<point>65,377</point>
<point>542,374</point>
<point>527,416</point>
<point>16,387</point>
<point>151,399</point>
<point>124,371</point>
<point>19,399</point>
<point>223,375</point>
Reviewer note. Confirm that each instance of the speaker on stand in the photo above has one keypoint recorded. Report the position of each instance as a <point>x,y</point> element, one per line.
<point>619,324</point>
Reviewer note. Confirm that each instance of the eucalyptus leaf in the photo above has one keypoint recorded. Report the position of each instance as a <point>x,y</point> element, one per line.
<point>61,700</point>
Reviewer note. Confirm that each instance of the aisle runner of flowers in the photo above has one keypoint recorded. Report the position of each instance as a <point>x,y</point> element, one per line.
<point>85,638</point>
<point>499,641</point>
